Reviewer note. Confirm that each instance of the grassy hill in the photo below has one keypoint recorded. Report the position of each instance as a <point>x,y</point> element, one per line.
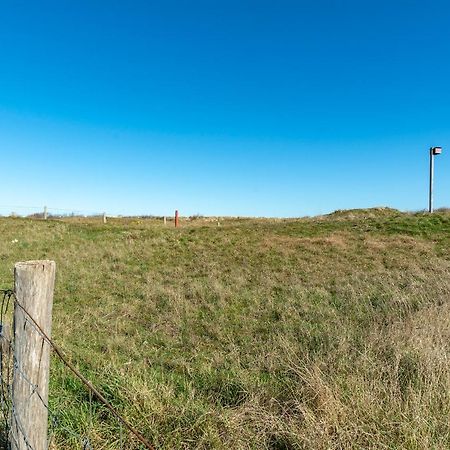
<point>321,333</point>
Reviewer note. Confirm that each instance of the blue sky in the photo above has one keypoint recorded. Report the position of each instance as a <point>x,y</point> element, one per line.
<point>262,108</point>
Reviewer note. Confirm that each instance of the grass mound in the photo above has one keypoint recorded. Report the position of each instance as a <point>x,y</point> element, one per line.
<point>368,213</point>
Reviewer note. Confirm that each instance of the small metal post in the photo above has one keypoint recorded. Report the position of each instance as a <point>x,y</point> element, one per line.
<point>177,219</point>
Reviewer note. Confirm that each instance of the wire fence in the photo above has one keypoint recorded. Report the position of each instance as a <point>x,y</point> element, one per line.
<point>44,212</point>
<point>63,433</point>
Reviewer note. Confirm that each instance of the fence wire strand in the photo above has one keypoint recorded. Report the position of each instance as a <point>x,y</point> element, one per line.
<point>10,371</point>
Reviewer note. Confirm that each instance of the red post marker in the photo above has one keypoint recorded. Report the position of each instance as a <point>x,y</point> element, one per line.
<point>177,220</point>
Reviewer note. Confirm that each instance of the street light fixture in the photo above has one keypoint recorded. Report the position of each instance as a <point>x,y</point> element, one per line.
<point>433,152</point>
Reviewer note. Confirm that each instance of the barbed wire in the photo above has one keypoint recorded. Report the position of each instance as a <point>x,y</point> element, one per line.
<point>40,211</point>
<point>14,431</point>
<point>12,373</point>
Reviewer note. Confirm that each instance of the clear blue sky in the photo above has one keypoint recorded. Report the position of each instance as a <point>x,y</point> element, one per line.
<point>266,108</point>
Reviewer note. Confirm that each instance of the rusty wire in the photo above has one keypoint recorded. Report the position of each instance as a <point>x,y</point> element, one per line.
<point>6,405</point>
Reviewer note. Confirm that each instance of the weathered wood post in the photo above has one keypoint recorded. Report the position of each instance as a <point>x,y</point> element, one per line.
<point>34,283</point>
<point>45,213</point>
<point>177,219</point>
<point>104,217</point>
<point>165,220</point>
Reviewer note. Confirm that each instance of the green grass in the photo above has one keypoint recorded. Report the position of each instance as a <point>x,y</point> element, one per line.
<point>324,333</point>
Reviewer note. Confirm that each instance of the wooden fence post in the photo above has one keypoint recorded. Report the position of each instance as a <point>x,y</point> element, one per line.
<point>165,220</point>
<point>34,283</point>
<point>45,213</point>
<point>104,217</point>
<point>177,219</point>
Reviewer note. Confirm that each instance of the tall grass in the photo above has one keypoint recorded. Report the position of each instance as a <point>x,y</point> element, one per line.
<point>326,333</point>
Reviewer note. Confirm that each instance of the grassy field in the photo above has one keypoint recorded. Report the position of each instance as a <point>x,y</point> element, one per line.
<point>321,333</point>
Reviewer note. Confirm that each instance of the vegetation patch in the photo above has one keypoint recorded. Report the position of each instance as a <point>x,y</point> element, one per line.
<point>324,333</point>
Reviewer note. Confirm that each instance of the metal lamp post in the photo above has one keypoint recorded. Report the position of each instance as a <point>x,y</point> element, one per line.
<point>433,152</point>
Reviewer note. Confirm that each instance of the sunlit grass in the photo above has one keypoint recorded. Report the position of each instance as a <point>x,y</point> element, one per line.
<point>321,333</point>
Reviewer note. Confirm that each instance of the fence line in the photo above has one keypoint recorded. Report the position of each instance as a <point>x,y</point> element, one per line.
<point>47,212</point>
<point>14,371</point>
